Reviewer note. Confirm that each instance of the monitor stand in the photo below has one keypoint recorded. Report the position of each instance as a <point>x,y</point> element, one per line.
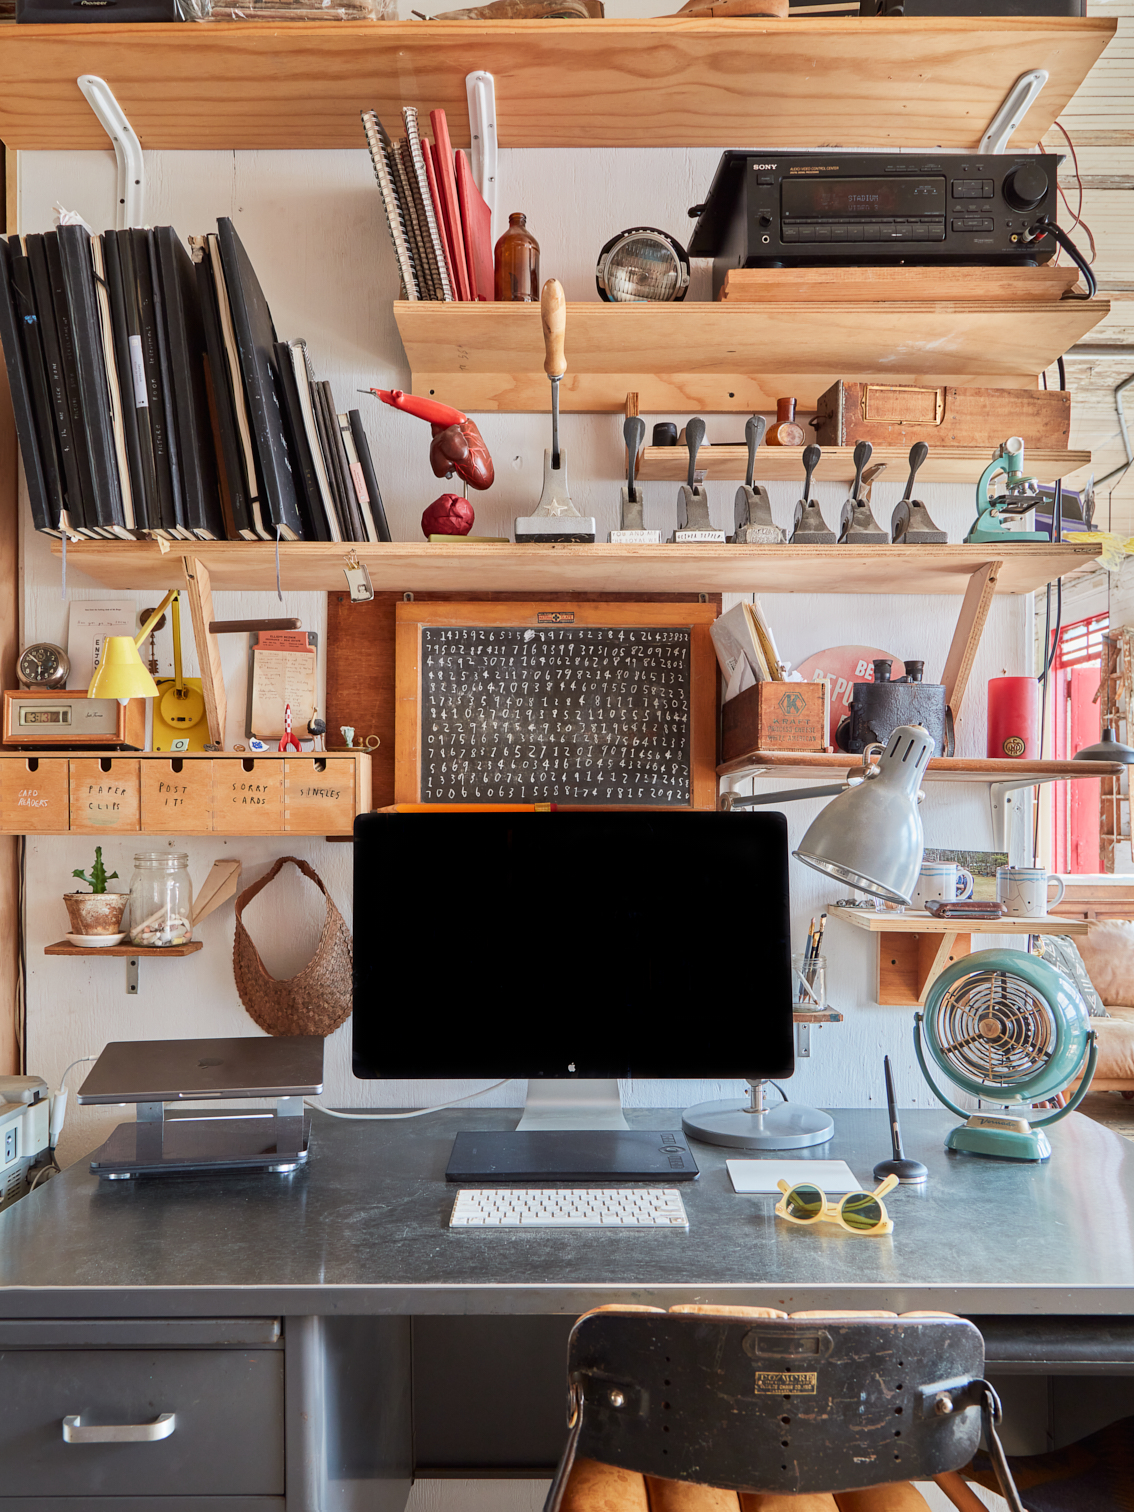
<point>752,1126</point>
<point>572,1131</point>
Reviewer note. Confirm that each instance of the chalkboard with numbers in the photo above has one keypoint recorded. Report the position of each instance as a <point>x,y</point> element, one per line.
<point>584,705</point>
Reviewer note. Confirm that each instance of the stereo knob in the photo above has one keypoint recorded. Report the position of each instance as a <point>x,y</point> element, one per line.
<point>1026,186</point>
<point>765,218</point>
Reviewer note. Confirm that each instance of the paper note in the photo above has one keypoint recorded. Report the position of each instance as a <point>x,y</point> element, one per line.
<point>831,1176</point>
<point>89,622</point>
<point>280,678</point>
<point>284,640</point>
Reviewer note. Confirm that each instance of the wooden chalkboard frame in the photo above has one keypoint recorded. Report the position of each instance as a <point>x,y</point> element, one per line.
<point>412,618</point>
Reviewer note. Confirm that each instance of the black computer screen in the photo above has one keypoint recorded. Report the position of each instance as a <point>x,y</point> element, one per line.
<point>586,944</point>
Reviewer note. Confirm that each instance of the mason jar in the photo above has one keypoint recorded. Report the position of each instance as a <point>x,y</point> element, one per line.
<point>161,899</point>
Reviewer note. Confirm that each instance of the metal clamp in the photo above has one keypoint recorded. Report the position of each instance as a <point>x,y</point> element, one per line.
<point>1016,104</point>
<point>127,150</point>
<point>480,88</point>
<point>74,1432</point>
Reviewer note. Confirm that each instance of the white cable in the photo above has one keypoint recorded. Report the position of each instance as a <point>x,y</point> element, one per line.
<point>74,1063</point>
<point>414,1112</point>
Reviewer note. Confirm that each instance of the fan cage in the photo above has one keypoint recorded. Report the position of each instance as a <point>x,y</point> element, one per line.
<point>992,1027</point>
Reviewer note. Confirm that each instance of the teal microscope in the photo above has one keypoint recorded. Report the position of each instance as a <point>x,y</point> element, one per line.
<point>1016,495</point>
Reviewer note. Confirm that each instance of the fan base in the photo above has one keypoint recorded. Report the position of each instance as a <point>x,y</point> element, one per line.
<point>1000,1144</point>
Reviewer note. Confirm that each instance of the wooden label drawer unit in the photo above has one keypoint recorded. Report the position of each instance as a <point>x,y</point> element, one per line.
<point>34,796</point>
<point>248,795</point>
<point>319,795</point>
<point>177,796</point>
<point>105,795</point>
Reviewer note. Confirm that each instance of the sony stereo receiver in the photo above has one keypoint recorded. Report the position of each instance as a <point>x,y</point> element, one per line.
<point>798,209</point>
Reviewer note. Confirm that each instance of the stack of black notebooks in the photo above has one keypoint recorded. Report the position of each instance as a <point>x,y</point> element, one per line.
<point>152,397</point>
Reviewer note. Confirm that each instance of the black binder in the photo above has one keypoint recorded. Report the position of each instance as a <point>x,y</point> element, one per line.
<point>178,526</point>
<point>338,464</point>
<point>187,360</point>
<point>36,447</point>
<point>309,494</point>
<point>232,480</point>
<point>127,396</point>
<point>82,509</point>
<point>150,509</point>
<point>366,462</point>
<point>78,274</point>
<point>137,261</point>
<point>255,339</point>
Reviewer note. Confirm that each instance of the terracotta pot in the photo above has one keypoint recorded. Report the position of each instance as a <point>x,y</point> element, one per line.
<point>96,913</point>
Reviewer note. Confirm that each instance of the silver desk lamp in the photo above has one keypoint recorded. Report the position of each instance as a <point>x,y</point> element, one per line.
<point>871,838</point>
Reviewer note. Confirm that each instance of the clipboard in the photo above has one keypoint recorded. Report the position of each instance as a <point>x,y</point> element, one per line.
<point>273,682</point>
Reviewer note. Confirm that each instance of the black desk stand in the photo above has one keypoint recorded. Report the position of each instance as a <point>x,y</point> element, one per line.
<point>254,1139</point>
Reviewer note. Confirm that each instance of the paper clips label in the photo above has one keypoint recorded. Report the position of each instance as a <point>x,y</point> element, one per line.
<point>358,580</point>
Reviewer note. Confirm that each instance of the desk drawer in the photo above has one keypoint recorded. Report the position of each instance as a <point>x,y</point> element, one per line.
<point>227,1406</point>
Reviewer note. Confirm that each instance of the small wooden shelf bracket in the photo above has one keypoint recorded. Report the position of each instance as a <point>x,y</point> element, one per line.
<point>481,90</point>
<point>1017,102</point>
<point>130,208</point>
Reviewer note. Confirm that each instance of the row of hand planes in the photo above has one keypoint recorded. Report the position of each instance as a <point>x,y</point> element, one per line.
<point>910,523</point>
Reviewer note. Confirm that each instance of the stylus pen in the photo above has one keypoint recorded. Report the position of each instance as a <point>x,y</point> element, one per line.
<point>892,1102</point>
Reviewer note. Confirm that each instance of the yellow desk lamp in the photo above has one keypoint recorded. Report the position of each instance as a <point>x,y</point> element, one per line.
<point>121,674</point>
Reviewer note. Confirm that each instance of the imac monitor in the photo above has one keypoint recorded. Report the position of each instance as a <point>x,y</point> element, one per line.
<point>571,949</point>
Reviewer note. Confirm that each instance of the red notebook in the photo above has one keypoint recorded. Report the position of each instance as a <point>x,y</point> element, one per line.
<point>438,213</point>
<point>476,222</point>
<point>447,192</point>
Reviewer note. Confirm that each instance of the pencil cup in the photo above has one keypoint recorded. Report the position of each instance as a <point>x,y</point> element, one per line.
<point>808,982</point>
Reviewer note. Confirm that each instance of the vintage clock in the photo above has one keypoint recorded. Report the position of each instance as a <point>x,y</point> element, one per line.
<point>43,666</point>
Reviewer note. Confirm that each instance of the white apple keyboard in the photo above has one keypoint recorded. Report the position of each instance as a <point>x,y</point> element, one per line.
<point>569,1207</point>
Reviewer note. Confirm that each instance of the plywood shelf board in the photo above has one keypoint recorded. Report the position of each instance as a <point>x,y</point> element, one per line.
<point>65,948</point>
<point>662,82</point>
<point>796,765</point>
<point>778,464</point>
<point>857,285</point>
<point>729,357</point>
<point>401,566</point>
<point>915,922</point>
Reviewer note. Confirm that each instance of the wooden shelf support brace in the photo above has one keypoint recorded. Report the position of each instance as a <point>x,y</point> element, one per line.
<point>199,591</point>
<point>966,637</point>
<point>130,210</point>
<point>1017,103</point>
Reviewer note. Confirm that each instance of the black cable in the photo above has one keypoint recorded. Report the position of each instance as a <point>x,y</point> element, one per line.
<point>1045,223</point>
<point>779,1089</point>
<point>1051,641</point>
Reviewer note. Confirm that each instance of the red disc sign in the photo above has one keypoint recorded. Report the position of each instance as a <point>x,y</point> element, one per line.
<point>843,666</point>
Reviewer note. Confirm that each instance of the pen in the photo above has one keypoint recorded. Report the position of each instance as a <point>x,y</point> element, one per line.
<point>892,1104</point>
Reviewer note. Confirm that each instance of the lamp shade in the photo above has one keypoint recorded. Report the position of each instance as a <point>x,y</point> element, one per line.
<point>870,837</point>
<point>121,673</point>
<point>1109,748</point>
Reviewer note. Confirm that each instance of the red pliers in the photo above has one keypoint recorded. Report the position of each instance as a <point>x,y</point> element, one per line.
<point>287,739</point>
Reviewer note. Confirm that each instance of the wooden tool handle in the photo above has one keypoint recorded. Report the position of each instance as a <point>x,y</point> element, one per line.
<point>553,309</point>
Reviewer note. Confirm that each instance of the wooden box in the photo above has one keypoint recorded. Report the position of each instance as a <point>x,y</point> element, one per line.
<point>775,716</point>
<point>177,795</point>
<point>34,796</point>
<point>248,795</point>
<point>889,414</point>
<point>105,794</point>
<point>321,794</point>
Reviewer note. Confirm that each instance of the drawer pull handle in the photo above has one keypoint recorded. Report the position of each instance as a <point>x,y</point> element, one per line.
<point>118,1433</point>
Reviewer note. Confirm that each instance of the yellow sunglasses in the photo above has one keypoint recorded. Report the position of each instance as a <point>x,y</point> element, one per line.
<point>857,1212</point>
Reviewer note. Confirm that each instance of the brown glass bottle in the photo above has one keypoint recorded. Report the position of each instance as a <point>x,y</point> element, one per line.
<point>785,432</point>
<point>517,262</point>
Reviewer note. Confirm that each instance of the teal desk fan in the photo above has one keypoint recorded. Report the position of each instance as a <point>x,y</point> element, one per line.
<point>1006,1027</point>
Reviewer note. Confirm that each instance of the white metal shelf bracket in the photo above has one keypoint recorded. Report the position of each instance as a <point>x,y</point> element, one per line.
<point>1017,103</point>
<point>481,90</point>
<point>127,150</point>
<point>1006,799</point>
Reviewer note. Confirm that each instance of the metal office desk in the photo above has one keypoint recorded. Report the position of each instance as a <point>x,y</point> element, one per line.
<point>350,1249</point>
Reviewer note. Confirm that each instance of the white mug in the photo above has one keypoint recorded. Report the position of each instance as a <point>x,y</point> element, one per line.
<point>943,880</point>
<point>1024,891</point>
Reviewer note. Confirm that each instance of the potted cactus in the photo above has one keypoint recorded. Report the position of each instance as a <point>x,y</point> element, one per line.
<point>96,914</point>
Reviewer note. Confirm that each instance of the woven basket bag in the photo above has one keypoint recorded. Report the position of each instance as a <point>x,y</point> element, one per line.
<point>315,1001</point>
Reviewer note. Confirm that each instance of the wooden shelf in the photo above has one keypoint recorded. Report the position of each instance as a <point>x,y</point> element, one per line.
<point>778,464</point>
<point>417,566</point>
<point>726,357</point>
<point>669,82</point>
<point>914,922</point>
<point>799,766</point>
<point>65,948</point>
<point>915,948</point>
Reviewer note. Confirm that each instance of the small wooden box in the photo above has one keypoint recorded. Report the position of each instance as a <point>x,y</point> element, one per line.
<point>34,795</point>
<point>248,795</point>
<point>105,794</point>
<point>775,716</point>
<point>177,796</point>
<point>320,794</point>
<point>889,414</point>
<point>66,718</point>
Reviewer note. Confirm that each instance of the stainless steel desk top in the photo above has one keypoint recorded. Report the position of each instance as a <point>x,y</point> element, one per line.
<point>363,1229</point>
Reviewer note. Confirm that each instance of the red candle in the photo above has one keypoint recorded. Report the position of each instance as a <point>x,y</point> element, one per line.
<point>1013,718</point>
